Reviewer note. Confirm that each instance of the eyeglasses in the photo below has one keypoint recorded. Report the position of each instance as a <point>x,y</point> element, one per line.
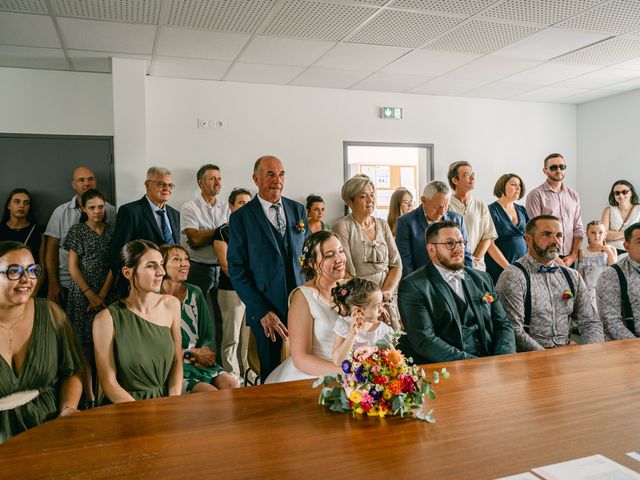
<point>469,175</point>
<point>406,202</point>
<point>452,244</point>
<point>621,192</point>
<point>555,168</point>
<point>170,186</point>
<point>15,272</point>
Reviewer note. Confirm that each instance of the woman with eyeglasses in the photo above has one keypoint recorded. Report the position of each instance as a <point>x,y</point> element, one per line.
<point>368,242</point>
<point>623,210</point>
<point>88,245</point>
<point>315,214</point>
<point>41,359</point>
<point>137,340</point>
<point>400,203</point>
<point>18,224</point>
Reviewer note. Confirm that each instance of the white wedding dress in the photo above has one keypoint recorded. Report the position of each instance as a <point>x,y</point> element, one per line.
<point>324,319</point>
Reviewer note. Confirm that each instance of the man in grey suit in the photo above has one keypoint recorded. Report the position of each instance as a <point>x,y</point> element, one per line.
<point>449,311</point>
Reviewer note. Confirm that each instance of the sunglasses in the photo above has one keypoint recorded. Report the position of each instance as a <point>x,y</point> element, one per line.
<point>621,192</point>
<point>555,168</point>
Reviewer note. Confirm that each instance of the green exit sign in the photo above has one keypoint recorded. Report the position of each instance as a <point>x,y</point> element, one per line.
<point>391,113</point>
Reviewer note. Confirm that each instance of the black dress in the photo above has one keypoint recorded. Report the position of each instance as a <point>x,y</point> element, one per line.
<point>31,235</point>
<point>92,252</point>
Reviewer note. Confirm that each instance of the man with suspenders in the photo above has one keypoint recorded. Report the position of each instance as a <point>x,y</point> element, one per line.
<point>541,296</point>
<point>618,291</point>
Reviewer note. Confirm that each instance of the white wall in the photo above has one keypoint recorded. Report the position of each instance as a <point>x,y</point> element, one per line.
<point>608,149</point>
<point>305,127</point>
<point>52,102</point>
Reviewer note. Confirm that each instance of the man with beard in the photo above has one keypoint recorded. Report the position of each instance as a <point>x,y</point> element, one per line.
<point>449,311</point>
<point>541,296</point>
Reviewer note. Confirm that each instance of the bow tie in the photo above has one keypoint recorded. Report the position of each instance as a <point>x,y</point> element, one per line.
<point>545,269</point>
<point>457,275</point>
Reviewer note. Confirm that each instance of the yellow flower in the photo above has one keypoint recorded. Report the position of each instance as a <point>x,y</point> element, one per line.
<point>355,396</point>
<point>358,409</point>
<point>374,411</point>
<point>387,394</point>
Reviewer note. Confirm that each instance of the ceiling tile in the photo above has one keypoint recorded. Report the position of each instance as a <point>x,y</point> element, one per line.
<point>465,8</point>
<point>498,90</point>
<point>600,78</point>
<point>311,19</point>
<point>284,51</point>
<point>133,11</point>
<point>31,57</point>
<point>107,36</point>
<point>355,56</point>
<point>27,30</point>
<point>615,17</point>
<point>548,94</point>
<point>180,42</point>
<point>25,6</point>
<point>389,82</point>
<point>85,61</point>
<point>629,65</point>
<point>491,68</point>
<point>329,78</point>
<point>254,73</point>
<point>549,43</point>
<point>587,96</point>
<point>189,68</point>
<point>608,52</point>
<point>242,16</point>
<point>549,73</point>
<point>429,63</point>
<point>403,29</point>
<point>626,85</point>
<point>446,86</point>
<point>543,12</point>
<point>481,36</point>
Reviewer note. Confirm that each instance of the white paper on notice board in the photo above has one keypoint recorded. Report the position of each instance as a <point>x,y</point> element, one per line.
<point>407,178</point>
<point>383,176</point>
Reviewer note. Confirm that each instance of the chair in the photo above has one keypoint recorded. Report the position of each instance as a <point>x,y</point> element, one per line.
<point>254,361</point>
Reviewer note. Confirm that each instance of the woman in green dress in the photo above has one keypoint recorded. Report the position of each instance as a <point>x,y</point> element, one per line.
<point>41,359</point>
<point>200,370</point>
<point>137,339</point>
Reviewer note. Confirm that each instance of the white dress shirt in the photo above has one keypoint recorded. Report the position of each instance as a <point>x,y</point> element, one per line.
<point>200,215</point>
<point>271,212</point>
<point>455,283</point>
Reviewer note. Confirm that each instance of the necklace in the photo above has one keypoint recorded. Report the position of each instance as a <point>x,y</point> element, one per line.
<point>11,328</point>
<point>363,225</point>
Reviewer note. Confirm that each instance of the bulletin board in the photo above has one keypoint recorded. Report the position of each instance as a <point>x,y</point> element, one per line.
<point>388,178</point>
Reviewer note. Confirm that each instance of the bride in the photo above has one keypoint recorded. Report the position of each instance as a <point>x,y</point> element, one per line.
<point>311,315</point>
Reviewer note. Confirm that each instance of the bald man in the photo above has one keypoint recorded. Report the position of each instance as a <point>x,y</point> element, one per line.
<point>265,243</point>
<point>65,215</point>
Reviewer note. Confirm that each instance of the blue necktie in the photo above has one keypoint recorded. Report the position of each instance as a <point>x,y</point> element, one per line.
<point>545,269</point>
<point>166,233</point>
<point>279,221</point>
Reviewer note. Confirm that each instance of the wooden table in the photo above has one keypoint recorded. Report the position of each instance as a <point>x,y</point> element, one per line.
<point>496,416</point>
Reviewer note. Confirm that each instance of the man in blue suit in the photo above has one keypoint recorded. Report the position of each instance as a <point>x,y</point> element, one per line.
<point>412,226</point>
<point>265,240</point>
<point>149,218</point>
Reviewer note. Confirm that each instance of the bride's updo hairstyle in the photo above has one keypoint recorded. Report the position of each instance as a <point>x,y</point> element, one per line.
<point>311,251</point>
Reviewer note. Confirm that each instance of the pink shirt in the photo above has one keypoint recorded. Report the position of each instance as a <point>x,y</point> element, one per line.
<point>564,204</point>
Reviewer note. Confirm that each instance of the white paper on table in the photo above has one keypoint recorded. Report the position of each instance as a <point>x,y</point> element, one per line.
<point>595,467</point>
<point>634,455</point>
<point>520,476</point>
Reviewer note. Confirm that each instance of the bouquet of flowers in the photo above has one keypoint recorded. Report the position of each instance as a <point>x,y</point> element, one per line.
<point>379,381</point>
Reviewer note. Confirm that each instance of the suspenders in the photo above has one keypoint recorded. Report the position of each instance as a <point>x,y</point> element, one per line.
<point>627,312</point>
<point>527,296</point>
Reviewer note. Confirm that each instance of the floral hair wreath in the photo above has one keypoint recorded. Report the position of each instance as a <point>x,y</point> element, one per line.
<point>303,256</point>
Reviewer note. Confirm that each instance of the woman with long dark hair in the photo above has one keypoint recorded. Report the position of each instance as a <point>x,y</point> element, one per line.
<point>623,210</point>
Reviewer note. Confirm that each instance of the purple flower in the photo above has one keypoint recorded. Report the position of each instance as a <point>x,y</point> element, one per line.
<point>346,366</point>
<point>359,374</point>
<point>375,394</point>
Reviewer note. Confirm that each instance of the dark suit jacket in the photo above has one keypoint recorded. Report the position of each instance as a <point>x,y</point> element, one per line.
<point>410,231</point>
<point>135,221</point>
<point>432,321</point>
<point>256,266</point>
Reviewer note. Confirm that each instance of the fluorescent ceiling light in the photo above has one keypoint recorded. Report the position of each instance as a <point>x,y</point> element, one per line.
<point>550,43</point>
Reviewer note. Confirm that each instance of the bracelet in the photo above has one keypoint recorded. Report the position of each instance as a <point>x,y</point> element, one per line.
<point>86,290</point>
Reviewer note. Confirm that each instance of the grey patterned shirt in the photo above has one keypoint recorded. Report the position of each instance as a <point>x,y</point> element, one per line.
<point>550,313</point>
<point>610,301</point>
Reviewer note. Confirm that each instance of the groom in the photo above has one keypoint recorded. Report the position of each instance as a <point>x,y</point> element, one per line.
<point>265,241</point>
<point>451,312</point>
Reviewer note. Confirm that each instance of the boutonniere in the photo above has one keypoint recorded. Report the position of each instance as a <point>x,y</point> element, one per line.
<point>299,227</point>
<point>567,295</point>
<point>487,298</point>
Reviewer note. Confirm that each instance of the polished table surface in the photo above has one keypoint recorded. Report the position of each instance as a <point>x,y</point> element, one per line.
<point>495,416</point>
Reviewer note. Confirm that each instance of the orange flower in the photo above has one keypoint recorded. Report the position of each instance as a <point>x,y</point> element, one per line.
<point>395,357</point>
<point>395,386</point>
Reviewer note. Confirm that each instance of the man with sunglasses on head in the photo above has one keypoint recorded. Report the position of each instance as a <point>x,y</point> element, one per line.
<point>149,218</point>
<point>449,311</point>
<point>542,296</point>
<point>553,197</point>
